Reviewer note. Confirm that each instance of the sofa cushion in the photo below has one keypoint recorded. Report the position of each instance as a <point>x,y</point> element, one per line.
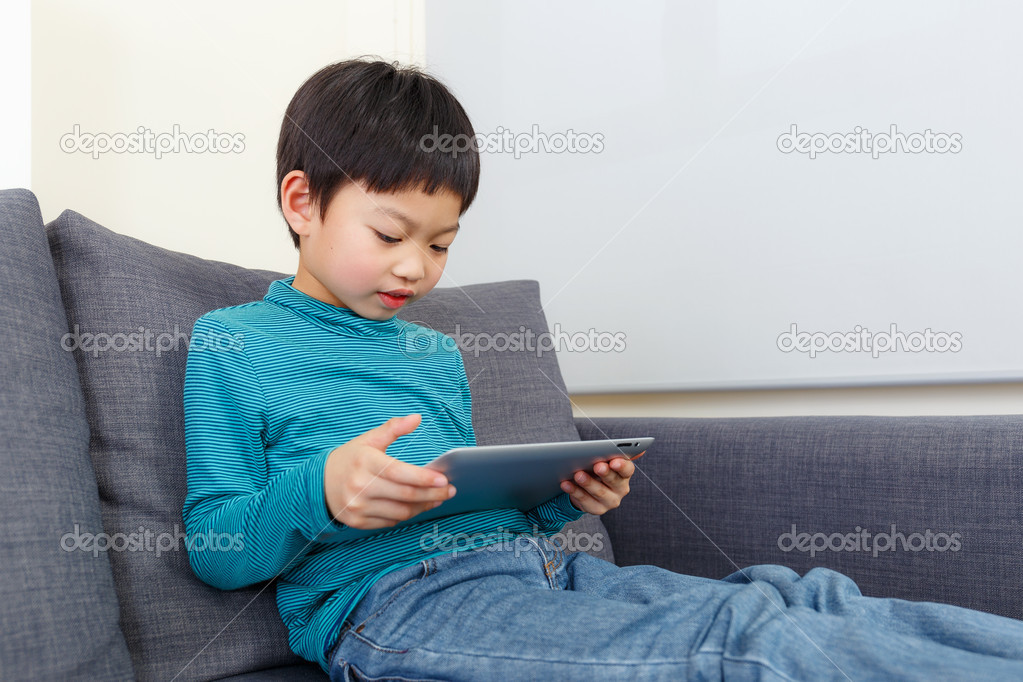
<point>114,286</point>
<point>925,508</point>
<point>58,607</point>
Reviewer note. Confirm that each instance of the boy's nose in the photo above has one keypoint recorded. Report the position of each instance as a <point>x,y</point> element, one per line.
<point>410,267</point>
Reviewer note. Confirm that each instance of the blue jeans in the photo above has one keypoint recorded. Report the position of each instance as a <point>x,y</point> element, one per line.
<point>524,610</point>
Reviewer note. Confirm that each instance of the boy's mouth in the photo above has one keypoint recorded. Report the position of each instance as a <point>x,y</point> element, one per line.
<point>395,298</point>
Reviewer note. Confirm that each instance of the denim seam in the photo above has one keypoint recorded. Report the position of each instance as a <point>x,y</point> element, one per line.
<point>373,645</point>
<point>332,652</point>
<point>390,600</point>
<point>764,664</point>
<point>684,661</point>
<point>365,676</point>
<point>557,561</point>
<point>631,663</point>
<point>546,563</point>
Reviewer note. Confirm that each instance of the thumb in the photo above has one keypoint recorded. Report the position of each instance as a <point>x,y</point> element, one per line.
<point>385,434</point>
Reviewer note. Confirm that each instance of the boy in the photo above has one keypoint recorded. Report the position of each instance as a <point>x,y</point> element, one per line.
<point>311,423</point>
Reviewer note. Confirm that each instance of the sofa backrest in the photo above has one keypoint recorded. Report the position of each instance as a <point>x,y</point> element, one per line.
<point>925,508</point>
<point>118,291</point>
<point>58,607</point>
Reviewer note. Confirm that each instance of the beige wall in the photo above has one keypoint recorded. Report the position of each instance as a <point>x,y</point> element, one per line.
<point>232,67</point>
<point>1004,398</point>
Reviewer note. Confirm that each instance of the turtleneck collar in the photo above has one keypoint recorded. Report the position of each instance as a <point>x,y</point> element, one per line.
<point>336,318</point>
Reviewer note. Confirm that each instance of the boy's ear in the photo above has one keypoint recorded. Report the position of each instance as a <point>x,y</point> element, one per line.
<point>297,209</point>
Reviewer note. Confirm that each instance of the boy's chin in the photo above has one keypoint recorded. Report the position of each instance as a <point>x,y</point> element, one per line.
<point>377,309</point>
<point>379,315</point>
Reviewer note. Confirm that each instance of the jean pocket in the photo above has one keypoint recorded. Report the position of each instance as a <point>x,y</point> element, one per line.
<point>342,672</point>
<point>332,652</point>
<point>353,674</point>
<point>386,591</point>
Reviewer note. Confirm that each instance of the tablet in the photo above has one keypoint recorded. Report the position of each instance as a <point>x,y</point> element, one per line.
<point>514,476</point>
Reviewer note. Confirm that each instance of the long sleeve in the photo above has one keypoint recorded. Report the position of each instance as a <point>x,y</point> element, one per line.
<point>272,387</point>
<point>552,515</point>
<point>242,527</point>
<point>464,425</point>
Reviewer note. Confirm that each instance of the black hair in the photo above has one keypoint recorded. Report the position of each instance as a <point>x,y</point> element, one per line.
<point>366,120</point>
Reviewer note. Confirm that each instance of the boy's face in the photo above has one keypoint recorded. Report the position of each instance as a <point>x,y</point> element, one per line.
<point>373,252</point>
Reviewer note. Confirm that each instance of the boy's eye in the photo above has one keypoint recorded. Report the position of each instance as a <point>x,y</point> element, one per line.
<point>387,239</point>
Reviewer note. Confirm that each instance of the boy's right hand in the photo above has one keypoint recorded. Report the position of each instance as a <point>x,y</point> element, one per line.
<point>366,488</point>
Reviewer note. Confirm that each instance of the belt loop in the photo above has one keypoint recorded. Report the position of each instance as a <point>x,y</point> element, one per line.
<point>345,627</point>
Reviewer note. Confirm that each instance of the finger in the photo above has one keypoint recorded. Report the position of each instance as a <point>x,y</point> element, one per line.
<point>623,467</point>
<point>396,471</point>
<point>609,471</point>
<point>594,486</point>
<point>388,432</point>
<point>373,522</point>
<point>410,494</point>
<point>393,512</point>
<point>582,499</point>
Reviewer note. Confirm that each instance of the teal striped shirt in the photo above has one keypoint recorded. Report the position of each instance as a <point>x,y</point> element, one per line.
<point>271,388</point>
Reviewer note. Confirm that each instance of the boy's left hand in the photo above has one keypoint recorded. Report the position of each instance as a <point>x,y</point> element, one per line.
<point>597,494</point>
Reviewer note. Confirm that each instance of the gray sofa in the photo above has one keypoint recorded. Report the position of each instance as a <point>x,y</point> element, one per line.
<point>96,584</point>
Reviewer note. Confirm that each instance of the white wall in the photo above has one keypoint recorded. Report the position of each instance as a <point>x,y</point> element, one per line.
<point>691,243</point>
<point>233,66</point>
<point>16,84</point>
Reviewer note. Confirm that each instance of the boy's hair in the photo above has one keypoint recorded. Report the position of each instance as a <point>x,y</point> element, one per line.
<point>360,120</point>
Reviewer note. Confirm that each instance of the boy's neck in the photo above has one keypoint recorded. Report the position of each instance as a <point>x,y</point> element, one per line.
<point>310,286</point>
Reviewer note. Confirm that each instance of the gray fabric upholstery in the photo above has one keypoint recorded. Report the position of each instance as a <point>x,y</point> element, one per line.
<point>713,495</point>
<point>58,608</point>
<point>113,284</point>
